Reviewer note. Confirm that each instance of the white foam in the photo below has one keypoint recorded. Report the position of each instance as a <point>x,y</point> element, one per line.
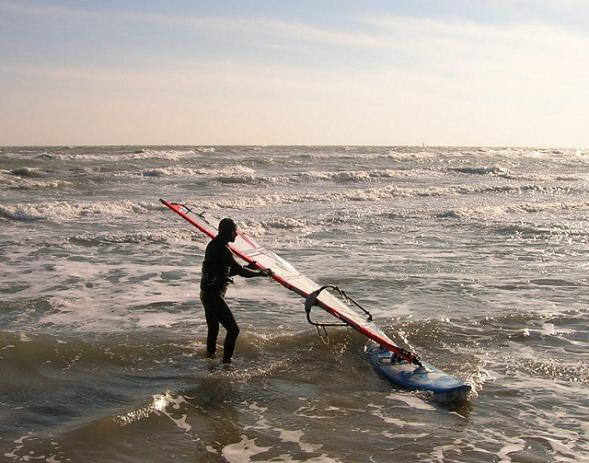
<point>261,227</point>
<point>515,445</point>
<point>173,155</point>
<point>87,300</point>
<point>230,174</point>
<point>285,435</point>
<point>518,209</point>
<point>320,459</point>
<point>20,443</point>
<point>412,401</point>
<point>23,182</point>
<point>242,451</point>
<point>394,191</point>
<point>61,211</point>
<point>256,408</point>
<point>362,194</point>
<point>378,411</point>
<point>304,412</point>
<point>437,453</point>
<point>295,437</point>
<point>179,235</point>
<point>350,175</point>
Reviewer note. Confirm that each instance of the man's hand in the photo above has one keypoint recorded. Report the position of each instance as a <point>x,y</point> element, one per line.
<point>252,265</point>
<point>266,272</point>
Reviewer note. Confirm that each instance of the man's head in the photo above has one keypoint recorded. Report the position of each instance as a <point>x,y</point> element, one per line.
<point>227,230</point>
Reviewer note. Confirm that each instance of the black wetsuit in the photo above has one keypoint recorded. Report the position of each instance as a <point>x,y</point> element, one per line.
<point>217,269</point>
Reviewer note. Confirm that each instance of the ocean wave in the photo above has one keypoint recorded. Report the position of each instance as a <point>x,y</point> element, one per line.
<point>499,328</point>
<point>570,178</point>
<point>32,172</point>
<point>545,179</point>
<point>236,173</point>
<point>525,220</point>
<point>518,209</point>
<point>497,171</point>
<point>29,179</point>
<point>513,188</point>
<point>348,175</point>
<point>172,155</point>
<point>170,172</point>
<point>552,234</point>
<point>60,211</point>
<point>240,174</point>
<point>556,370</point>
<point>504,172</point>
<point>246,175</point>
<point>138,237</point>
<point>373,194</point>
<point>379,194</point>
<point>28,353</point>
<point>261,227</point>
<point>412,155</point>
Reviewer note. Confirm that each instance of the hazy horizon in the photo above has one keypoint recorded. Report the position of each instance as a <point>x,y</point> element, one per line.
<point>253,145</point>
<point>456,73</point>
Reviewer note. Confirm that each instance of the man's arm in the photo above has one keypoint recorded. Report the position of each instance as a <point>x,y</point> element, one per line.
<point>246,272</point>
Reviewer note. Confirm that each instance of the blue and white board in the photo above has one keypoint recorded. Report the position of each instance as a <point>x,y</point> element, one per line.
<point>423,378</point>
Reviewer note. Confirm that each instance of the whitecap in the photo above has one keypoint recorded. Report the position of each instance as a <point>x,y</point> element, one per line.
<point>230,174</point>
<point>172,155</point>
<point>60,211</point>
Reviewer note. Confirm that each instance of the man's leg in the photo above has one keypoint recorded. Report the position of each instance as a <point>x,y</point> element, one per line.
<point>226,319</point>
<point>212,324</point>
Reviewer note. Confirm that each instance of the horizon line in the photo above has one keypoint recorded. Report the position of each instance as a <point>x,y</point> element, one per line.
<point>214,145</point>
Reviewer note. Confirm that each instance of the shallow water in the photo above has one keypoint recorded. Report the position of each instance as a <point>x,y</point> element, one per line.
<point>474,257</point>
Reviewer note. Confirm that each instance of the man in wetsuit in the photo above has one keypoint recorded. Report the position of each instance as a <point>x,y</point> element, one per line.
<point>217,269</point>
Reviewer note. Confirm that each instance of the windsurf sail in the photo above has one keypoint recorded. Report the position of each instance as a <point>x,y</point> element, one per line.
<point>248,249</point>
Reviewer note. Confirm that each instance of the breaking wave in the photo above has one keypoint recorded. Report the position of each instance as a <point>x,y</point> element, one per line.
<point>142,154</point>
<point>29,179</point>
<point>138,237</point>
<point>230,174</point>
<point>349,175</point>
<point>61,211</point>
<point>382,193</point>
<point>492,170</point>
<point>487,212</point>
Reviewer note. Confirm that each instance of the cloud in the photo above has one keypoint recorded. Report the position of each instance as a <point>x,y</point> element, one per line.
<point>259,25</point>
<point>532,56</point>
<point>386,32</point>
<point>392,80</point>
<point>29,9</point>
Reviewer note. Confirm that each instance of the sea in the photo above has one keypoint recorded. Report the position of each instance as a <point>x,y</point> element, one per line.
<point>475,258</point>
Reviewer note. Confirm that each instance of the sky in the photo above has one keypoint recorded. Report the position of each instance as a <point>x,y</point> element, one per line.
<point>265,72</point>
